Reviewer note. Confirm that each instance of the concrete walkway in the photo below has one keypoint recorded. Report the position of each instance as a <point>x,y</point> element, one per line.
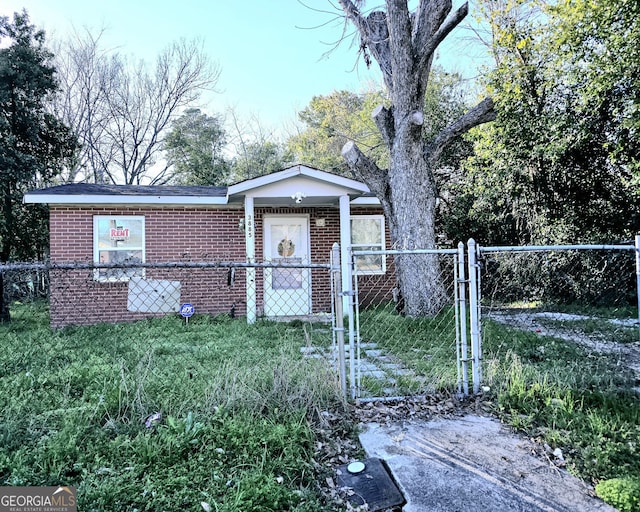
<point>474,464</point>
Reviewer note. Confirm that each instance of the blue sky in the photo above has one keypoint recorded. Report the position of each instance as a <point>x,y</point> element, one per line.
<point>270,52</point>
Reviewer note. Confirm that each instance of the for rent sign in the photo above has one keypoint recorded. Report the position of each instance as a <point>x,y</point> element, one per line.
<point>119,233</point>
<point>38,499</point>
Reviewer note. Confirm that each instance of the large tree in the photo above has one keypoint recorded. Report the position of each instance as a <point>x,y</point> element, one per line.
<point>328,122</point>
<point>194,147</point>
<point>403,43</point>
<point>34,145</point>
<point>121,110</point>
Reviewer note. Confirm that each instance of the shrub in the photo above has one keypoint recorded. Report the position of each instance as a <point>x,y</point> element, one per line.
<point>622,493</point>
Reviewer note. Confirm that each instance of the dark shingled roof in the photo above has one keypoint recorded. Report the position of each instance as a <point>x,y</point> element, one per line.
<point>132,190</point>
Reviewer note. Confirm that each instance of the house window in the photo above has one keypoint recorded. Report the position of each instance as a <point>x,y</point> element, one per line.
<point>118,239</point>
<point>367,234</point>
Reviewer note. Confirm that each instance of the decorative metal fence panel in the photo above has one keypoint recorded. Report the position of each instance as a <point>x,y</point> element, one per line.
<point>583,295</point>
<point>395,354</point>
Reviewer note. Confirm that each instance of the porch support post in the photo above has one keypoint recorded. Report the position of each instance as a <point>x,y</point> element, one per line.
<point>250,243</point>
<point>345,244</point>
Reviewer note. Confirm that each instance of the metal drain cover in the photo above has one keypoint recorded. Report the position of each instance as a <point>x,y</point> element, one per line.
<point>371,483</point>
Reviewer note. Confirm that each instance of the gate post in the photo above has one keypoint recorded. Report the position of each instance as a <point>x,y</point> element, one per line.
<point>461,310</point>
<point>336,276</point>
<point>473,316</point>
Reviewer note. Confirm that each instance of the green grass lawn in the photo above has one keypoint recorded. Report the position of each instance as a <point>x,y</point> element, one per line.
<point>239,411</point>
<point>242,412</point>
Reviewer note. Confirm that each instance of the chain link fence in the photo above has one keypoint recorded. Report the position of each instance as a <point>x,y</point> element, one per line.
<point>154,305</point>
<point>587,296</point>
<point>81,336</point>
<point>584,295</point>
<point>397,354</point>
<point>81,293</point>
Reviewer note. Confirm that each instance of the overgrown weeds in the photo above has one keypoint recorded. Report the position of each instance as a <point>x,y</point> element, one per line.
<point>158,415</point>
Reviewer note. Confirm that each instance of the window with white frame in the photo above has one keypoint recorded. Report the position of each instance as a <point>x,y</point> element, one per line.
<point>367,234</point>
<point>118,239</point>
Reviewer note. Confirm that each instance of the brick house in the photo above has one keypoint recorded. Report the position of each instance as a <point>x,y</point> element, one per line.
<point>293,216</point>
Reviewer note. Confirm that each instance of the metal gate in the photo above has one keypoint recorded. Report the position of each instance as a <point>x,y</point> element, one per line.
<point>585,293</point>
<point>393,355</point>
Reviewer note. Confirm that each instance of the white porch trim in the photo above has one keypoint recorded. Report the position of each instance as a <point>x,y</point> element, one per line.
<point>345,243</point>
<point>250,244</point>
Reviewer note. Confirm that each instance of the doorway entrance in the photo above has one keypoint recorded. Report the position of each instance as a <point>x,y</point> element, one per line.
<point>287,290</point>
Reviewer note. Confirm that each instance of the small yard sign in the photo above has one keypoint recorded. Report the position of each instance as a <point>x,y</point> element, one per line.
<point>187,310</point>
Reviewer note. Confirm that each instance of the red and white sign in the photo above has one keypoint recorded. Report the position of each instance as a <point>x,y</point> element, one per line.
<point>119,233</point>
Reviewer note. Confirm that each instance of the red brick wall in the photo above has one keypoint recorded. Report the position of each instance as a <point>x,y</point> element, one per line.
<point>176,234</point>
<point>173,234</point>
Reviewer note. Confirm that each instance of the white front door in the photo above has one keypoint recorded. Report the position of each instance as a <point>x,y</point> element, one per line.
<point>287,291</point>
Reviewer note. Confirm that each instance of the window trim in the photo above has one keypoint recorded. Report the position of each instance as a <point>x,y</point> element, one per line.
<point>96,248</point>
<point>381,245</point>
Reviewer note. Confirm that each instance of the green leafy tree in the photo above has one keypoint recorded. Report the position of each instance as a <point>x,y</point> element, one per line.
<point>258,159</point>
<point>34,145</point>
<point>600,41</point>
<point>194,147</point>
<point>257,149</point>
<point>558,164</point>
<point>329,122</point>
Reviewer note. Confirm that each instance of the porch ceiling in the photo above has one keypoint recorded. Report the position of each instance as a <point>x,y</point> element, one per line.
<point>279,202</point>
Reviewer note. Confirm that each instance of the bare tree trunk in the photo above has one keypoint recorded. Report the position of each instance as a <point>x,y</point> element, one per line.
<point>414,204</point>
<point>403,43</point>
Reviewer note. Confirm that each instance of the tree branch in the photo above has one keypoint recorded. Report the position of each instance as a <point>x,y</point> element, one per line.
<point>353,13</point>
<point>383,117</point>
<point>374,36</point>
<point>365,170</point>
<point>378,42</point>
<point>482,113</point>
<point>430,44</point>
<point>428,19</point>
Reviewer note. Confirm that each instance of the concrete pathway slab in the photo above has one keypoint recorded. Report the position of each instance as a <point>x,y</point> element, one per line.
<point>471,464</point>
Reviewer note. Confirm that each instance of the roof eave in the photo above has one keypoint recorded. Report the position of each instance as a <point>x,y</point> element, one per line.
<point>122,199</point>
<point>365,201</point>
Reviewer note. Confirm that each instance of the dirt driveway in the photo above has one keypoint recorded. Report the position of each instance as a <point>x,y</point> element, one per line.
<point>628,354</point>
